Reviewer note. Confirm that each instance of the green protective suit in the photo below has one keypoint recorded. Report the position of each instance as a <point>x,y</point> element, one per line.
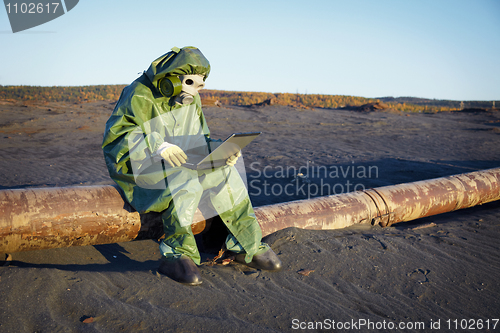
<point>142,120</point>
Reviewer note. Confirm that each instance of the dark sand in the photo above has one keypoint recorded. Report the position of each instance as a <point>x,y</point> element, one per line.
<point>448,270</point>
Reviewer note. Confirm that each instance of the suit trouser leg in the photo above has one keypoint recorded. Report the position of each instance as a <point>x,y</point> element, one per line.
<point>229,197</point>
<point>178,217</point>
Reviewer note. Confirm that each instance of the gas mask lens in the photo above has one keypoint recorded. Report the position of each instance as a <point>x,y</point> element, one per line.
<point>191,85</point>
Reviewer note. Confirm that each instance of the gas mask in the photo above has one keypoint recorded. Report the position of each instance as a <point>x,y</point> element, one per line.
<point>184,87</point>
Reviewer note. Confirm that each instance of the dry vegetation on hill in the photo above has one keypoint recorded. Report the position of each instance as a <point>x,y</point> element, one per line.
<point>78,94</point>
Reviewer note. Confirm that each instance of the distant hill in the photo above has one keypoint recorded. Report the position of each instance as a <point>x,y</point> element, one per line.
<point>402,104</point>
<point>440,102</point>
<point>72,94</point>
<point>79,94</point>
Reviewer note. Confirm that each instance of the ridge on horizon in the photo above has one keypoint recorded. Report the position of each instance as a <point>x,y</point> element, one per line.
<point>242,98</point>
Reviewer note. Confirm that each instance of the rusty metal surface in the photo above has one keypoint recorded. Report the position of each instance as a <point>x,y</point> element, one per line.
<point>411,201</point>
<point>332,212</point>
<point>32,219</point>
<point>384,205</point>
<point>44,218</point>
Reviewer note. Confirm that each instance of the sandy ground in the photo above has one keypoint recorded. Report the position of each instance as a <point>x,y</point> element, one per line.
<point>416,274</point>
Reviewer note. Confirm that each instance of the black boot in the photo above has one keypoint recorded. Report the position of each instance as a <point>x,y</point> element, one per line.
<point>181,269</point>
<point>267,261</point>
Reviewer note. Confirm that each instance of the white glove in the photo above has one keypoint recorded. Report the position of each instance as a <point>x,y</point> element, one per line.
<point>173,154</point>
<point>231,161</point>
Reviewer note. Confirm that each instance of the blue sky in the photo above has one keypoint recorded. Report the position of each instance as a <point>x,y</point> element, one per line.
<point>428,48</point>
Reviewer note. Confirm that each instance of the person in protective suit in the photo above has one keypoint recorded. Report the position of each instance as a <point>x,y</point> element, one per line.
<point>157,125</point>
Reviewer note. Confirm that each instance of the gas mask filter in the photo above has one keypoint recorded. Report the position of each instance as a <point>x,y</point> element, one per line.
<point>170,86</point>
<point>185,87</point>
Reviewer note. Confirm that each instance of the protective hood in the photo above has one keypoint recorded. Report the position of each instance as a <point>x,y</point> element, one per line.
<point>185,61</point>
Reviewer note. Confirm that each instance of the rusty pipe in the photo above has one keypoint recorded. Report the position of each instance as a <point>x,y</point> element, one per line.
<point>44,218</point>
<point>385,205</point>
<point>32,219</point>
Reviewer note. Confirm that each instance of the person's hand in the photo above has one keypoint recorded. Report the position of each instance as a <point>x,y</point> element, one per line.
<point>231,161</point>
<point>174,155</point>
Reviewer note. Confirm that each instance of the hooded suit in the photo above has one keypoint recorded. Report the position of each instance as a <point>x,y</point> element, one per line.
<point>142,120</point>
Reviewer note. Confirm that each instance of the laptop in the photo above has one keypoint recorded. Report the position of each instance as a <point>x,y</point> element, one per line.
<point>217,158</point>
